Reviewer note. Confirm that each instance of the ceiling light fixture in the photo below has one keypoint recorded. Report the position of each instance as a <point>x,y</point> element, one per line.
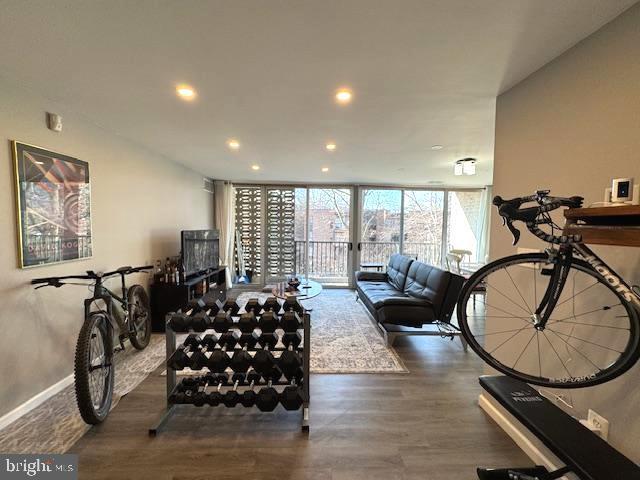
<point>331,146</point>
<point>233,144</point>
<point>436,147</point>
<point>186,92</point>
<point>465,166</point>
<point>255,167</point>
<point>344,96</point>
<point>325,169</point>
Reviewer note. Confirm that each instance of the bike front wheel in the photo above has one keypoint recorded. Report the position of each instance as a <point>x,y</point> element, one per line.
<point>139,317</point>
<point>94,369</point>
<point>591,337</point>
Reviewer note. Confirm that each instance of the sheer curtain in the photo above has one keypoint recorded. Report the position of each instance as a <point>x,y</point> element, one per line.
<point>225,209</point>
<point>483,237</point>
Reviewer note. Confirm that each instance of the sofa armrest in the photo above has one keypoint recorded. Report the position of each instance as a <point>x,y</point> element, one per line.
<point>364,276</point>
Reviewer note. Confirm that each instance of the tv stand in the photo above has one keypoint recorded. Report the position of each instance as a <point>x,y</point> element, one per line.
<point>168,297</point>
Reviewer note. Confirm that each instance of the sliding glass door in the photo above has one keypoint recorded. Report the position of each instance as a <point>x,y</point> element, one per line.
<point>380,227</point>
<point>328,242</point>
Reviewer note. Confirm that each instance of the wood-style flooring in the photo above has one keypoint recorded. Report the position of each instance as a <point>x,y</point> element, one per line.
<point>421,425</point>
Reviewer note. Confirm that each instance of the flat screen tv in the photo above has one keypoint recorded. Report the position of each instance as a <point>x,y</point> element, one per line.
<point>200,250</point>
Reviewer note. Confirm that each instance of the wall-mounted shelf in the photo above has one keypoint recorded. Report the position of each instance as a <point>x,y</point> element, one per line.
<point>605,225</point>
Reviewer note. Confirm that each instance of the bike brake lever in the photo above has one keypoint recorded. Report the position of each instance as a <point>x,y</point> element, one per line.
<point>514,231</point>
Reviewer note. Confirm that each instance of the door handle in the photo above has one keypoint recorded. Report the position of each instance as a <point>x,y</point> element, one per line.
<point>359,246</point>
<point>350,246</point>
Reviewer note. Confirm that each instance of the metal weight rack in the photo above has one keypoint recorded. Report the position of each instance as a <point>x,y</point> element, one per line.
<point>171,346</point>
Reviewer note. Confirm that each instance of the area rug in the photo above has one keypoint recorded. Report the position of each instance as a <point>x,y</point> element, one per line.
<point>343,336</point>
<point>55,425</point>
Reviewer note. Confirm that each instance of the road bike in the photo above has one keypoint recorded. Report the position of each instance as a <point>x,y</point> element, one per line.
<point>108,318</point>
<point>559,318</point>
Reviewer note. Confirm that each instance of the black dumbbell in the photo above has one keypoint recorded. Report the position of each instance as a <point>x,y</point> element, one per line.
<point>201,396</point>
<point>184,391</point>
<point>179,359</point>
<point>253,305</point>
<point>198,358</point>
<point>210,340</point>
<point>247,322</point>
<point>269,339</point>
<point>292,338</point>
<point>193,340</point>
<point>219,360</point>
<point>248,397</point>
<point>263,360</point>
<point>292,304</point>
<point>290,321</point>
<point>231,398</point>
<point>267,398</point>
<point>271,304</point>
<point>231,306</point>
<point>215,398</point>
<point>292,397</point>
<point>250,340</point>
<point>290,362</point>
<point>180,322</point>
<point>201,321</point>
<point>241,360</point>
<point>268,322</point>
<point>222,322</point>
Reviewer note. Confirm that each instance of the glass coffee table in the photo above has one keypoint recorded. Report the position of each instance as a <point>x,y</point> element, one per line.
<point>306,290</point>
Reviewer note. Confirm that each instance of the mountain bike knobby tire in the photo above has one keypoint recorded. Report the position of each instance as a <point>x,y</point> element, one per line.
<point>94,369</point>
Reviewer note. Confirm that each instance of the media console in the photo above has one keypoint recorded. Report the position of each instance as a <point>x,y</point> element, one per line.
<point>169,297</point>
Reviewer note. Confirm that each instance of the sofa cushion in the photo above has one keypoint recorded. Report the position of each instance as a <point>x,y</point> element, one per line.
<point>398,269</point>
<point>427,282</point>
<point>377,292</point>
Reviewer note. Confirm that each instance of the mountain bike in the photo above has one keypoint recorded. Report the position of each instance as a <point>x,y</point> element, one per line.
<point>559,318</point>
<point>105,313</point>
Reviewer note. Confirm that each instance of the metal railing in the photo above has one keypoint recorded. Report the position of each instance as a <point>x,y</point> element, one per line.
<point>329,260</point>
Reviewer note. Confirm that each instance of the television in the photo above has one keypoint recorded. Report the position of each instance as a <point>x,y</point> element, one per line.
<point>200,250</point>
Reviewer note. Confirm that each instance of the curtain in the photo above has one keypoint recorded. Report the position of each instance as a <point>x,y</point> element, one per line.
<point>485,216</point>
<point>225,211</point>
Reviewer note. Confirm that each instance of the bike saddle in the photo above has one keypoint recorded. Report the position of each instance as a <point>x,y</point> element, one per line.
<point>124,269</point>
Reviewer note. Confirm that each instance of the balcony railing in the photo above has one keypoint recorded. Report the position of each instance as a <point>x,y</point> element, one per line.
<point>328,260</point>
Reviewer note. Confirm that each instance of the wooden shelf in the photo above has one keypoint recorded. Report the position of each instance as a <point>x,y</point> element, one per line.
<point>605,225</point>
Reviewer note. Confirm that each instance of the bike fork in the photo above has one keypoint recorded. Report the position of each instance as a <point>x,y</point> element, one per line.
<point>562,263</point>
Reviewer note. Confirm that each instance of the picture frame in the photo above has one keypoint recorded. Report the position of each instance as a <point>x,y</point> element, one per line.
<point>53,206</point>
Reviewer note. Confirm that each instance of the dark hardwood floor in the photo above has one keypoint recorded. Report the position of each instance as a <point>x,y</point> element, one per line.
<point>422,425</point>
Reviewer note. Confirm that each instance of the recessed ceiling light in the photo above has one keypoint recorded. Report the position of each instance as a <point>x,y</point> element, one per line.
<point>255,167</point>
<point>325,169</point>
<point>436,147</point>
<point>344,95</point>
<point>185,91</point>
<point>233,144</point>
<point>331,146</point>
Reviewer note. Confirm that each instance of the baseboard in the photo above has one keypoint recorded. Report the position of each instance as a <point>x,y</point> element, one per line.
<point>528,443</point>
<point>34,401</point>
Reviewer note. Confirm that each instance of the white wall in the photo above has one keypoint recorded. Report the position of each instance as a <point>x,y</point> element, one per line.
<point>571,127</point>
<point>140,202</point>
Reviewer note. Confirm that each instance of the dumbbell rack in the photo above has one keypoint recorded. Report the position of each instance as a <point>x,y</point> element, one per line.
<point>171,383</point>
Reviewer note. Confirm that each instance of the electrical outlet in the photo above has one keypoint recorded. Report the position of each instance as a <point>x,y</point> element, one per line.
<point>599,423</point>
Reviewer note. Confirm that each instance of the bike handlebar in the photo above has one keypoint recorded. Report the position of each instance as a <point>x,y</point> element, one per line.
<point>511,210</point>
<point>91,275</point>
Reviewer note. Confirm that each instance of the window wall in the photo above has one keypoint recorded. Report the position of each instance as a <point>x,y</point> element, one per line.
<point>308,230</point>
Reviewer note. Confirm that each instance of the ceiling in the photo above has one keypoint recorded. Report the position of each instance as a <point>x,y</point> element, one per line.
<point>423,72</point>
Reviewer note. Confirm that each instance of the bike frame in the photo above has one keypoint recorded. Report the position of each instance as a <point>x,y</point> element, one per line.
<point>563,258</point>
<point>101,292</point>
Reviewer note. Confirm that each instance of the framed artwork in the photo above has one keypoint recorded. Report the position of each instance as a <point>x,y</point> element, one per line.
<point>53,197</point>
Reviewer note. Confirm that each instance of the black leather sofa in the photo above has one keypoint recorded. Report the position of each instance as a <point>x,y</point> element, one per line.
<point>410,295</point>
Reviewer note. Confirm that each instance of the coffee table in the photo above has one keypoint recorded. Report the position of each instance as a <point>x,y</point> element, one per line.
<point>306,290</point>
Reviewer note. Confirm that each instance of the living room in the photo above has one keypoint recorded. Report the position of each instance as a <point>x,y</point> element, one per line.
<point>330,166</point>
